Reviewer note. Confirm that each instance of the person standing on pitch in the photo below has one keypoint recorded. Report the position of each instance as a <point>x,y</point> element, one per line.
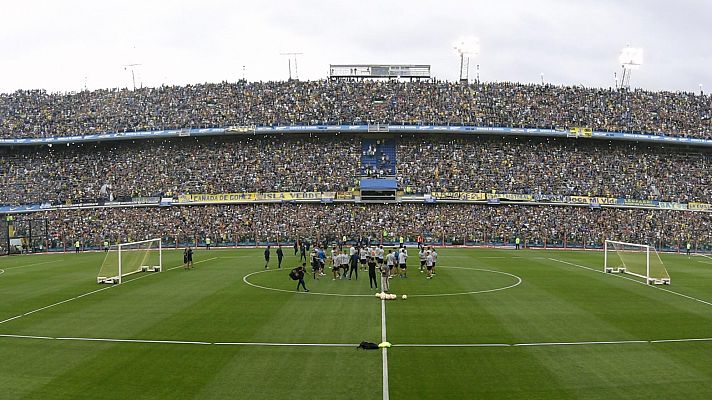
<point>429,263</point>
<point>385,275</point>
<point>302,252</point>
<point>391,263</point>
<point>372,273</point>
<point>189,256</point>
<point>354,263</point>
<point>208,242</point>
<point>363,256</point>
<point>300,275</point>
<point>280,256</point>
<point>689,246</point>
<point>403,262</point>
<point>267,257</point>
<point>517,241</point>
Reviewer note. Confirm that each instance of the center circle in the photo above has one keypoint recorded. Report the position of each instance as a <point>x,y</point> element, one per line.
<point>516,280</point>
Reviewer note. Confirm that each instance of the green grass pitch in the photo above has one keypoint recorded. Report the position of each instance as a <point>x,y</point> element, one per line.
<point>528,324</point>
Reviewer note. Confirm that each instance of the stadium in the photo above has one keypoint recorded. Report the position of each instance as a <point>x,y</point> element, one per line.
<point>537,241</point>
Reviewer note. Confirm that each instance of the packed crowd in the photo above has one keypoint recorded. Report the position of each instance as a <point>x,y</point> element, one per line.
<point>441,223</point>
<point>287,163</point>
<point>544,166</point>
<point>157,168</point>
<point>36,113</point>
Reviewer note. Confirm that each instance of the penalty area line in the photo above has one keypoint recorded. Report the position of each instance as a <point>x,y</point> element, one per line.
<point>636,281</point>
<point>94,291</point>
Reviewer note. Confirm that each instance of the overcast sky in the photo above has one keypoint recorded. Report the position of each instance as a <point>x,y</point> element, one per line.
<point>63,45</point>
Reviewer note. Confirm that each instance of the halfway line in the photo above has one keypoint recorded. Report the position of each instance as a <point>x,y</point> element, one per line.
<point>384,351</point>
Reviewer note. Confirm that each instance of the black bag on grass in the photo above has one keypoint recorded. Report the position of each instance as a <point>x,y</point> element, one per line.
<point>367,346</point>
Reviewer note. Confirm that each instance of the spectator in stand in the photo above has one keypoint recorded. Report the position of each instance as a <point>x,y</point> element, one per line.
<point>292,163</point>
<point>36,113</point>
<point>536,225</point>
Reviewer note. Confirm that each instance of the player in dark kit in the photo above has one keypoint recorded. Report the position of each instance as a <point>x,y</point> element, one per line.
<point>188,258</point>
<point>372,282</point>
<point>302,252</point>
<point>354,265</point>
<point>267,257</point>
<point>300,271</point>
<point>280,256</point>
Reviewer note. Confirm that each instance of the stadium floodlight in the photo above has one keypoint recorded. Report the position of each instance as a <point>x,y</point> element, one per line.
<point>133,75</point>
<point>630,58</point>
<point>466,47</point>
<point>292,55</point>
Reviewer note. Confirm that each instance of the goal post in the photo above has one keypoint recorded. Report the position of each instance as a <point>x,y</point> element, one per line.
<point>125,259</point>
<point>639,260</point>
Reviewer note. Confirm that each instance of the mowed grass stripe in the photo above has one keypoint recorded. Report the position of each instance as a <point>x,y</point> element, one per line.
<point>67,300</point>
<point>211,304</point>
<point>253,311</point>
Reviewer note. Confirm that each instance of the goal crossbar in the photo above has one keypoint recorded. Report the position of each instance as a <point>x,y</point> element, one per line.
<point>641,269</point>
<point>118,263</point>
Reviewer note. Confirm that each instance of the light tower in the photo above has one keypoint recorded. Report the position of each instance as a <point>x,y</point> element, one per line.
<point>467,47</point>
<point>292,55</point>
<point>630,58</point>
<point>133,75</point>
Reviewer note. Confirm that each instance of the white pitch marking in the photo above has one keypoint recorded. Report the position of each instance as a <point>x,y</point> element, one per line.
<point>226,257</point>
<point>26,336</point>
<point>10,319</point>
<point>31,265</point>
<point>130,340</point>
<point>578,343</point>
<point>519,281</point>
<point>384,350</point>
<point>681,340</point>
<point>244,279</point>
<point>454,345</point>
<point>285,344</point>
<point>94,291</point>
<point>49,306</point>
<point>440,345</point>
<point>2,271</point>
<point>636,281</point>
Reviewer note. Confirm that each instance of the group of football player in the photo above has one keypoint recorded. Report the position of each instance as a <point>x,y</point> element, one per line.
<point>344,263</point>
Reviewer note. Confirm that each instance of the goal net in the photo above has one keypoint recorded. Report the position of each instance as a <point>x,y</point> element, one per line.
<point>129,258</point>
<point>635,259</point>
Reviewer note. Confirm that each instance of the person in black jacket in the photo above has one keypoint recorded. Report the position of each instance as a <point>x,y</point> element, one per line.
<point>267,257</point>
<point>354,265</point>
<point>280,256</point>
<point>372,273</point>
<point>300,275</point>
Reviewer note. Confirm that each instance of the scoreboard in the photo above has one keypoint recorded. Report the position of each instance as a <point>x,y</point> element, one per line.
<point>337,71</point>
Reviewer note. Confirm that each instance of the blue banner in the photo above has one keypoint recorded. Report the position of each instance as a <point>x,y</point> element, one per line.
<point>638,137</point>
